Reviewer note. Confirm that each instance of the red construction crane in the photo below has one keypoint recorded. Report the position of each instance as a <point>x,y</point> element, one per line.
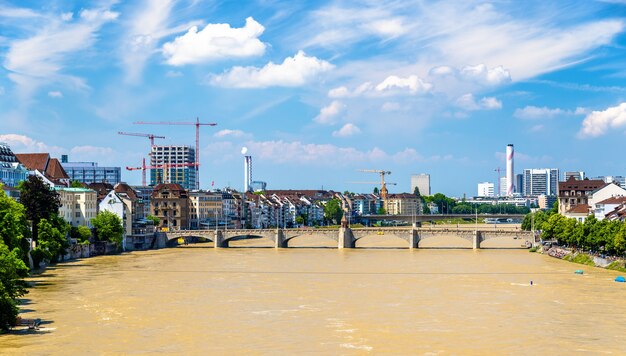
<point>197,124</point>
<point>149,136</point>
<point>165,167</point>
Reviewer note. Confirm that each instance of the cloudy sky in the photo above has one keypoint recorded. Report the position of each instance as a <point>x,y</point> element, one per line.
<point>317,90</point>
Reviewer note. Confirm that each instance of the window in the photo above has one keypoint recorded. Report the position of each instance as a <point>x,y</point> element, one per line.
<point>78,214</point>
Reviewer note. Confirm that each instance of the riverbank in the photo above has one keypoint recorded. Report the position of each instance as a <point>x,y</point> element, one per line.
<point>570,255</point>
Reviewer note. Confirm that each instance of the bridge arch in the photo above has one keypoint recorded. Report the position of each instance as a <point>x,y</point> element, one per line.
<point>248,240</point>
<point>312,240</point>
<point>445,240</point>
<point>375,239</point>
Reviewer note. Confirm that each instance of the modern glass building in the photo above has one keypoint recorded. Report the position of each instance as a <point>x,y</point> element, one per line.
<point>541,182</point>
<point>90,172</point>
<point>176,166</point>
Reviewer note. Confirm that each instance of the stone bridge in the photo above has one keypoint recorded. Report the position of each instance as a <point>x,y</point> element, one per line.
<point>347,237</point>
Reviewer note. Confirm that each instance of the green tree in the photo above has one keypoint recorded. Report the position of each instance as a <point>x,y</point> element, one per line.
<point>40,201</point>
<point>154,219</point>
<point>299,220</point>
<point>80,233</point>
<point>375,190</point>
<point>619,242</point>
<point>52,240</point>
<point>108,227</point>
<point>14,226</point>
<point>12,285</point>
<point>333,211</point>
<point>416,192</point>
<point>76,184</point>
<point>381,211</point>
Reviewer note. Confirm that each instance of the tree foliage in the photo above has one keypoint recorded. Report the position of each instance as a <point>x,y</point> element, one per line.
<point>12,284</point>
<point>592,234</point>
<point>108,227</point>
<point>154,219</point>
<point>13,225</point>
<point>82,234</point>
<point>40,201</point>
<point>52,240</point>
<point>333,211</point>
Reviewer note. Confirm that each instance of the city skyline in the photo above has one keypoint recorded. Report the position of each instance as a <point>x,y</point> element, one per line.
<point>318,91</point>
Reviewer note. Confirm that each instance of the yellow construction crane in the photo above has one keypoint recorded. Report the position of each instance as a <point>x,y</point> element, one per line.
<point>383,186</point>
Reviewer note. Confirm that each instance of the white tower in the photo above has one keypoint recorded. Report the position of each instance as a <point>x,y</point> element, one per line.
<point>509,170</point>
<point>247,170</point>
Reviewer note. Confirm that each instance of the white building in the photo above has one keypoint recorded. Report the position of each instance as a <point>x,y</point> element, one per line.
<point>541,181</point>
<point>422,182</point>
<point>502,191</point>
<point>485,189</point>
<point>78,205</point>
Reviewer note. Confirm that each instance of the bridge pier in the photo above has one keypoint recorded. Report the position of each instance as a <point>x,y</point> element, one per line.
<point>476,240</point>
<point>279,239</point>
<point>345,238</point>
<point>414,239</point>
<point>219,242</point>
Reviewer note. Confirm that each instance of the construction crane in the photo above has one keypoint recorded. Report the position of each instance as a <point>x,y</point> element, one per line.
<point>197,124</point>
<point>151,137</point>
<point>165,166</point>
<point>383,186</point>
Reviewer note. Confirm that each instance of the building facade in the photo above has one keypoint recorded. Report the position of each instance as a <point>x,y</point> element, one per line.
<point>403,204</point>
<point>541,181</point>
<point>485,189</point>
<point>78,205</point>
<point>170,203</point>
<point>578,175</point>
<point>177,166</point>
<point>90,172</point>
<point>205,209</point>
<point>422,182</point>
<point>573,193</point>
<point>12,172</point>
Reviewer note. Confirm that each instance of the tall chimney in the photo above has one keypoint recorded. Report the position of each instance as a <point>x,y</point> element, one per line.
<point>509,170</point>
<point>247,172</point>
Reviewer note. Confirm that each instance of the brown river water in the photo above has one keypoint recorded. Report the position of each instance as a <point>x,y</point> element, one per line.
<point>200,300</point>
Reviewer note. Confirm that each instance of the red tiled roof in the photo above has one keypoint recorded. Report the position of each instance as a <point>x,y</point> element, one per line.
<point>579,209</point>
<point>172,187</point>
<point>613,200</point>
<point>55,170</point>
<point>125,188</point>
<point>34,161</point>
<point>582,185</point>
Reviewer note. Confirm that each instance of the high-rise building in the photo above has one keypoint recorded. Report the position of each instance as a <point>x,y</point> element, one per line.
<point>621,181</point>
<point>509,170</point>
<point>580,175</point>
<point>89,172</point>
<point>485,189</point>
<point>519,183</point>
<point>541,181</point>
<point>177,166</point>
<point>503,187</point>
<point>422,182</point>
<point>11,170</point>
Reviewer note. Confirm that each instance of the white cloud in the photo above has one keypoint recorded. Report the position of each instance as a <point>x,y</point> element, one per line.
<point>391,85</point>
<point>481,74</point>
<point>468,102</point>
<point>55,94</point>
<point>339,92</point>
<point>597,123</point>
<point>67,16</point>
<point>414,84</point>
<point>145,26</point>
<point>294,71</point>
<point>347,130</point>
<point>17,13</point>
<point>442,71</point>
<point>329,113</point>
<point>533,112</point>
<point>490,103</point>
<point>40,58</point>
<point>230,133</point>
<point>25,144</point>
<point>215,42</point>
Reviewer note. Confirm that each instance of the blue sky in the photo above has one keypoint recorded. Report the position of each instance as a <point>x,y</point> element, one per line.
<point>317,90</point>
